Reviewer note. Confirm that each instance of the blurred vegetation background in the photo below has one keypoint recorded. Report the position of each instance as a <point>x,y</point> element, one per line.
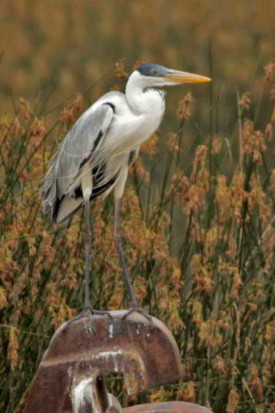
<point>199,206</point>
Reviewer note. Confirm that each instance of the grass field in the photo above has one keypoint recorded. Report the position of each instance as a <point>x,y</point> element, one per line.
<point>198,213</point>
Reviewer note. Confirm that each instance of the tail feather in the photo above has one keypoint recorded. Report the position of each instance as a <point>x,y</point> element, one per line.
<point>65,208</point>
<point>49,193</point>
<point>59,208</point>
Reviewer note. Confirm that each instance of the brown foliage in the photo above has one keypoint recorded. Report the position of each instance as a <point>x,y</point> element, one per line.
<point>197,223</point>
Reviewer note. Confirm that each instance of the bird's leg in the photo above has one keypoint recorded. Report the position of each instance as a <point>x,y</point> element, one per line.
<point>118,244</point>
<point>86,186</point>
<point>87,302</point>
<point>88,240</point>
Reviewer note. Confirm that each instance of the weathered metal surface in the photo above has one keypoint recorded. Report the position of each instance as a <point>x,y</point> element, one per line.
<point>77,358</point>
<point>90,396</point>
<point>167,407</point>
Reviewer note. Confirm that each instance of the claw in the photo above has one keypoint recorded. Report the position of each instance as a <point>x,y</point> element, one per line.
<point>136,309</point>
<point>101,312</point>
<point>89,311</point>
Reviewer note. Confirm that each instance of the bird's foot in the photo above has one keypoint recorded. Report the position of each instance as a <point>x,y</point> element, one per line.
<point>89,311</point>
<point>136,309</point>
<point>100,312</point>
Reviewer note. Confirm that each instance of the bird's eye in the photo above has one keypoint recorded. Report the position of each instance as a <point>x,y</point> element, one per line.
<point>154,72</point>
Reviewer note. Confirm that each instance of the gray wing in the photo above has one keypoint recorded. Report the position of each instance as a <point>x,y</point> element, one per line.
<point>80,144</point>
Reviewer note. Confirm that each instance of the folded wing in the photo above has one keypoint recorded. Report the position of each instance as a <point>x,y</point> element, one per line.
<point>81,145</point>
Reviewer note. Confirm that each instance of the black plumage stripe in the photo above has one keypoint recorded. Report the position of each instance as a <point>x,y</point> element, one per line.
<point>56,207</point>
<point>98,188</point>
<point>101,189</point>
<point>96,142</point>
<point>111,105</point>
<point>96,191</point>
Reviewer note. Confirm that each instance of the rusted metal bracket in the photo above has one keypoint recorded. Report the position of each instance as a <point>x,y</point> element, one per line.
<point>78,357</point>
<point>70,377</point>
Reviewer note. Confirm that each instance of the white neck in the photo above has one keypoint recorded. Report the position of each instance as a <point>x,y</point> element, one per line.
<point>139,101</point>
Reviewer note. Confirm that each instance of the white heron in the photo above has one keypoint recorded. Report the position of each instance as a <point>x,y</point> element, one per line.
<point>97,152</point>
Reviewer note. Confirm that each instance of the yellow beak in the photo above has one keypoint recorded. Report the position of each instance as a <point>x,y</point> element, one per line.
<point>185,77</point>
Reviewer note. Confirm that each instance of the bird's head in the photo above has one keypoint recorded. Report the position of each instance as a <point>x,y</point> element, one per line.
<point>153,75</point>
